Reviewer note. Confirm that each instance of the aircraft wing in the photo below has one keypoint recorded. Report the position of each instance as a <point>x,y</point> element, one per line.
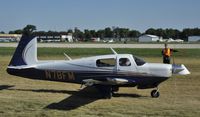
<point>107,81</point>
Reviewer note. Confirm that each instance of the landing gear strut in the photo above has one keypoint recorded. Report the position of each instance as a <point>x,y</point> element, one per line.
<point>155,93</point>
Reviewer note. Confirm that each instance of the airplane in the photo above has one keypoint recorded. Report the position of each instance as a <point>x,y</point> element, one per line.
<point>107,73</point>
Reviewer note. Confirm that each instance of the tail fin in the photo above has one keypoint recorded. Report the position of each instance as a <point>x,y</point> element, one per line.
<point>26,52</point>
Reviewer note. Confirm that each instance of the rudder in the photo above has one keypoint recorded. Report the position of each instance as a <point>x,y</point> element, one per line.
<point>26,52</point>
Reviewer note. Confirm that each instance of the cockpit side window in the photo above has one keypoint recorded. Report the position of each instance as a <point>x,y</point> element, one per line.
<point>110,62</point>
<point>124,62</point>
<point>139,61</point>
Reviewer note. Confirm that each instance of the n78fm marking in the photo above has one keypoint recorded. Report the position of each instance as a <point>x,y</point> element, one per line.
<point>59,75</point>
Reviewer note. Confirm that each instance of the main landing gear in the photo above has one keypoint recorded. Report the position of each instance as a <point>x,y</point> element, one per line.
<point>107,91</point>
<point>155,93</point>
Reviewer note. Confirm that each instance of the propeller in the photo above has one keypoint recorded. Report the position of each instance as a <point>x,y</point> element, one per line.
<point>178,69</point>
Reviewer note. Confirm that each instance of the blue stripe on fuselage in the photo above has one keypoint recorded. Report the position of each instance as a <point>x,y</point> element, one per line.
<point>78,77</point>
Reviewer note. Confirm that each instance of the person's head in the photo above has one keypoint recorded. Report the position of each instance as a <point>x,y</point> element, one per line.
<point>165,45</point>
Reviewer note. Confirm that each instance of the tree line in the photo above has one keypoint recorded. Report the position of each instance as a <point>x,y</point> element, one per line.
<point>114,32</point>
<point>174,33</point>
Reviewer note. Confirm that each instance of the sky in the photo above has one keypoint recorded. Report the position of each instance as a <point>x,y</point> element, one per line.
<point>61,15</point>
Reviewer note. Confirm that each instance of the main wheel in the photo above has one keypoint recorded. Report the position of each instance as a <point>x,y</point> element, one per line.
<point>109,95</point>
<point>155,94</point>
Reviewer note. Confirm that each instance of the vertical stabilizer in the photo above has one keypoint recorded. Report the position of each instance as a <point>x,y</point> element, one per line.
<point>26,52</point>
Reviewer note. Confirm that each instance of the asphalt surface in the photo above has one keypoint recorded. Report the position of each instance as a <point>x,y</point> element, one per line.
<point>74,45</point>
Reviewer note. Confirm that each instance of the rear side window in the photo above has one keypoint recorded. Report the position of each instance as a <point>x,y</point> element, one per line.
<point>110,62</point>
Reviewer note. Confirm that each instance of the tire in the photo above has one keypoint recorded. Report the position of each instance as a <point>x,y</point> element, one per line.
<point>155,94</point>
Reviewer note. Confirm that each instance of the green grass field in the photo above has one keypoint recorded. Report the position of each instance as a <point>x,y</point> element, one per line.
<point>180,95</point>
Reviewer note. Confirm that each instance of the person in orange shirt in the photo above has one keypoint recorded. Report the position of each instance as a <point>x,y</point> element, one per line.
<point>166,53</point>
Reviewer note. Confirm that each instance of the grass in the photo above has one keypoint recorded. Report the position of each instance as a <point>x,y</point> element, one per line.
<point>180,95</point>
<point>99,51</point>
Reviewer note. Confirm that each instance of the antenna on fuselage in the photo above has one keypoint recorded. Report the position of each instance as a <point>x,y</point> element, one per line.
<point>67,57</point>
<point>114,52</point>
<point>115,68</point>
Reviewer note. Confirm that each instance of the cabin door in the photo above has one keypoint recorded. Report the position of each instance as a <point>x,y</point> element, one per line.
<point>125,64</point>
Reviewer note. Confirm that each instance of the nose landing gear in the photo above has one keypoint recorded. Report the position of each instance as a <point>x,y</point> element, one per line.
<point>155,93</point>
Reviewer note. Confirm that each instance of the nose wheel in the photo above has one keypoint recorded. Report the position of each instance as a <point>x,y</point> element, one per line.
<point>155,93</point>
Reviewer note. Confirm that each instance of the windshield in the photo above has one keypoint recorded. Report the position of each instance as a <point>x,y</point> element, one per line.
<point>139,61</point>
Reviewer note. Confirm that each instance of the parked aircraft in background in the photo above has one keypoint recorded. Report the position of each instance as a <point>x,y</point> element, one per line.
<point>108,41</point>
<point>106,72</point>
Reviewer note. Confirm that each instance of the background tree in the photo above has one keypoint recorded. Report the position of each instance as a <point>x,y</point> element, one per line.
<point>114,32</point>
<point>70,31</point>
<point>63,33</point>
<point>101,34</point>
<point>55,33</point>
<point>108,32</point>
<point>78,34</point>
<point>123,32</point>
<point>151,31</point>
<point>87,35</point>
<point>93,33</point>
<point>2,32</point>
<point>172,33</point>
<point>134,34</point>
<point>165,33</point>
<point>18,31</point>
<point>161,33</point>
<point>189,32</point>
<point>40,33</point>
